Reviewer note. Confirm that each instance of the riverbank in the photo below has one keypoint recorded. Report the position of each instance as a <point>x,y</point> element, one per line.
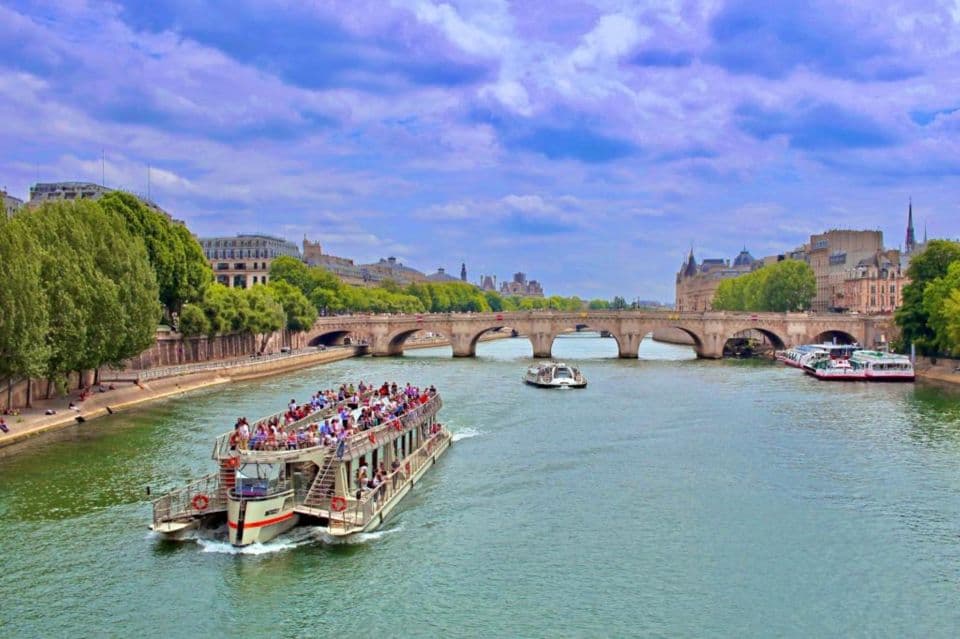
<point>440,340</point>
<point>944,370</point>
<point>35,421</point>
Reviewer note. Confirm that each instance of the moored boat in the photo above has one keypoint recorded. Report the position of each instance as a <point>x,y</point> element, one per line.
<point>555,375</point>
<point>345,476</point>
<point>879,366</point>
<point>836,370</point>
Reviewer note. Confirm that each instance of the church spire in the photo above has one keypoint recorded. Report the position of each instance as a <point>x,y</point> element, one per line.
<point>911,239</point>
<point>463,271</point>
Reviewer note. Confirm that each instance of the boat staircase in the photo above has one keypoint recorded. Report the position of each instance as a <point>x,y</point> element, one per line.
<point>318,497</point>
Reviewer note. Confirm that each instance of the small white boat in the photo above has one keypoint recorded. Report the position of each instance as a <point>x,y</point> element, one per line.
<point>555,375</point>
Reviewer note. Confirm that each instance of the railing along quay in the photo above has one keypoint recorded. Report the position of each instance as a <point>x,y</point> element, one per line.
<point>187,369</point>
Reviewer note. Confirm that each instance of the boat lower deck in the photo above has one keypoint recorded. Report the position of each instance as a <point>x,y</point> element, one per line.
<point>367,513</point>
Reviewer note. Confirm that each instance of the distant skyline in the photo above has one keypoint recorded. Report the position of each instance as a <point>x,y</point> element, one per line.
<point>587,144</point>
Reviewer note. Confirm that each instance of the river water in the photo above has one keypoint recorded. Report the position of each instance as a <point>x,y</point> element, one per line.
<point>673,497</point>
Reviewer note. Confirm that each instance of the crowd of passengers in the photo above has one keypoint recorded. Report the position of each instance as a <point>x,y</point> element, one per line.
<point>340,420</point>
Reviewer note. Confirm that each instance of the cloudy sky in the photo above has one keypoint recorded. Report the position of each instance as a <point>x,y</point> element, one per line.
<point>587,143</point>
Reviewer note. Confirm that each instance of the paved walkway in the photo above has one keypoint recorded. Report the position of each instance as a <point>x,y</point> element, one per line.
<point>33,421</point>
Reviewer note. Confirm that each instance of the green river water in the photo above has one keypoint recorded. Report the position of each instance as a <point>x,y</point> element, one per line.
<point>670,498</point>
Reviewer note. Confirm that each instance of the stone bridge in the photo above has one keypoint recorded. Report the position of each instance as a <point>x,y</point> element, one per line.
<point>710,330</point>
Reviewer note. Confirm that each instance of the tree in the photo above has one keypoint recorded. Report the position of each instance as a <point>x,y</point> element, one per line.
<point>618,303</point>
<point>598,305</point>
<point>193,321</point>
<point>300,313</point>
<point>226,308</point>
<point>265,314</point>
<point>936,296</point>
<point>789,285</point>
<point>951,310</point>
<point>180,268</point>
<point>96,281</point>
<point>24,317</point>
<point>913,315</point>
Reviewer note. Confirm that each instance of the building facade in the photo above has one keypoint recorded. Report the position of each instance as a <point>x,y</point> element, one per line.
<point>342,267</point>
<point>390,269</point>
<point>47,191</point>
<point>874,285</point>
<point>832,255</point>
<point>697,283</point>
<point>244,260</point>
<point>519,286</point>
<point>10,204</point>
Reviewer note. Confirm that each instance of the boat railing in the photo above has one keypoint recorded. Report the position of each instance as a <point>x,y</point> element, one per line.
<point>354,446</point>
<point>361,511</point>
<point>200,497</point>
<point>221,446</point>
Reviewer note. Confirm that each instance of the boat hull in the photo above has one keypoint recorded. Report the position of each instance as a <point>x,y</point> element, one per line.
<point>257,521</point>
<point>556,384</point>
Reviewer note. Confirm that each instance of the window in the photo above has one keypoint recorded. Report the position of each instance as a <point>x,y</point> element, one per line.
<point>893,288</point>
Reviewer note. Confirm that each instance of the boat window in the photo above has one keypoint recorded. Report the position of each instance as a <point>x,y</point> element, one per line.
<point>258,480</point>
<point>562,373</point>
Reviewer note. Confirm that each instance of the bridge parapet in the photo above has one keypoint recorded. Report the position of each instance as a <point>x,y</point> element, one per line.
<point>709,330</point>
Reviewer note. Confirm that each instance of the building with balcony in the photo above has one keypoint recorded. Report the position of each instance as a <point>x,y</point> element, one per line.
<point>244,260</point>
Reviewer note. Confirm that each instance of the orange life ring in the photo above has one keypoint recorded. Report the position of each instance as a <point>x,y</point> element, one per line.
<point>200,502</point>
<point>338,504</point>
<point>372,438</point>
<point>233,462</point>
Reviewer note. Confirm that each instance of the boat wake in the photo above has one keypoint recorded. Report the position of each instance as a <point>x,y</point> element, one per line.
<point>300,536</point>
<point>466,433</point>
<point>359,538</point>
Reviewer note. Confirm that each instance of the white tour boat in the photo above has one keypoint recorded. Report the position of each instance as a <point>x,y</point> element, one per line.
<point>263,493</point>
<point>836,370</point>
<point>555,375</point>
<point>884,367</point>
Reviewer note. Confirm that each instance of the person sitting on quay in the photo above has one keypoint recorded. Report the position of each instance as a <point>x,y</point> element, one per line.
<point>3,425</point>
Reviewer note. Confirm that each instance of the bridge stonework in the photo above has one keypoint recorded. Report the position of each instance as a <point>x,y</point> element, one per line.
<point>386,334</point>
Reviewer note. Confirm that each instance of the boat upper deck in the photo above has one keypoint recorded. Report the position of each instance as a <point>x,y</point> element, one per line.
<point>332,422</point>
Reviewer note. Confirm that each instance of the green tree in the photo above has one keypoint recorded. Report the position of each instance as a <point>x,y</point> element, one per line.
<point>598,305</point>
<point>226,308</point>
<point>913,315</point>
<point>939,318</point>
<point>24,316</point>
<point>265,314</point>
<point>618,303</point>
<point>951,310</point>
<point>300,313</point>
<point>787,286</point>
<point>193,321</point>
<point>180,268</point>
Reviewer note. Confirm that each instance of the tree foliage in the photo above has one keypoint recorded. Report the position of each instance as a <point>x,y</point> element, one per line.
<point>180,268</point>
<point>94,293</point>
<point>917,326</point>
<point>782,287</point>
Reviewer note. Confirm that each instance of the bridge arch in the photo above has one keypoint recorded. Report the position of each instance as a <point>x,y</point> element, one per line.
<point>334,338</point>
<point>837,336</point>
<point>469,348</point>
<point>396,341</point>
<point>775,340</point>
<point>578,325</point>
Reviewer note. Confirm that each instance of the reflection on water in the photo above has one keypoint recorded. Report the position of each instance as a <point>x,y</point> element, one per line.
<point>671,497</point>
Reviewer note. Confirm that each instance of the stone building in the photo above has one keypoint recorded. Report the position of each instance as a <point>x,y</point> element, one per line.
<point>46,191</point>
<point>244,260</point>
<point>697,283</point>
<point>874,285</point>
<point>342,267</point>
<point>390,269</point>
<point>832,255</point>
<point>488,283</point>
<point>519,286</point>
<point>10,204</point>
<point>441,276</point>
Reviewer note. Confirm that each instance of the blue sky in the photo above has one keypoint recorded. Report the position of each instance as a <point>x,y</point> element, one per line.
<point>587,143</point>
